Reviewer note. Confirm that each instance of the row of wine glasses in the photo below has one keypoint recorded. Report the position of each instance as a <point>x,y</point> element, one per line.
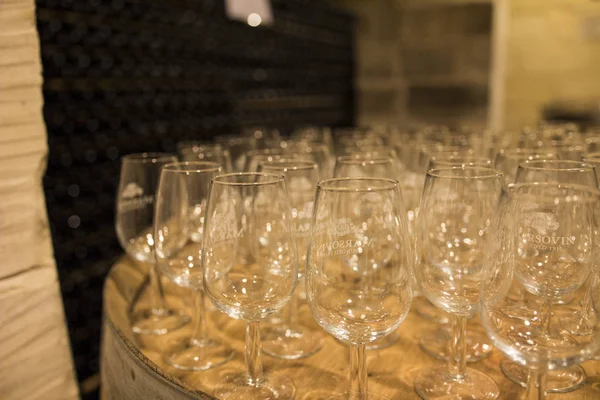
<point>249,240</point>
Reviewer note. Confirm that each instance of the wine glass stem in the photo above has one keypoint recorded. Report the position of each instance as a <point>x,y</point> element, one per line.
<point>458,349</point>
<point>292,308</point>
<point>156,291</point>
<point>358,373</point>
<point>199,328</point>
<point>536,385</point>
<point>253,353</point>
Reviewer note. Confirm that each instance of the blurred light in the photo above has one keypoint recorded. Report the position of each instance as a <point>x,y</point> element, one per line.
<point>74,221</point>
<point>254,19</point>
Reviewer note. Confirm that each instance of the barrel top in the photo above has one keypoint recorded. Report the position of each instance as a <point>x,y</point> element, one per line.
<point>391,370</point>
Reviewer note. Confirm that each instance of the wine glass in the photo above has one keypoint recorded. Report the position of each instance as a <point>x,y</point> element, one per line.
<point>362,166</point>
<point>356,166</point>
<point>185,146</point>
<point>134,218</point>
<point>435,343</point>
<point>458,161</point>
<point>178,231</point>
<point>257,157</point>
<point>291,339</point>
<point>452,234</point>
<point>578,320</point>
<point>594,159</point>
<point>215,154</point>
<point>250,268</point>
<point>319,153</point>
<point>237,146</point>
<point>508,160</point>
<point>359,270</point>
<point>543,246</point>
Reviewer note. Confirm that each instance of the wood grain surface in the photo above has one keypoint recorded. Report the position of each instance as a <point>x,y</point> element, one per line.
<point>391,370</point>
<point>35,358</point>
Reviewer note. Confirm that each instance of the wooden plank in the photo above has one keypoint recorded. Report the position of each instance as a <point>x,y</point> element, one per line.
<point>20,112</point>
<point>28,39</point>
<point>18,55</point>
<point>12,76</point>
<point>35,359</point>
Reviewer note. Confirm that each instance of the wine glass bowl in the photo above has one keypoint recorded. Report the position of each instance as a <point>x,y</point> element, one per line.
<point>178,230</point>
<point>291,339</point>
<point>359,268</point>
<point>543,249</point>
<point>452,236</point>
<point>134,220</point>
<point>250,268</point>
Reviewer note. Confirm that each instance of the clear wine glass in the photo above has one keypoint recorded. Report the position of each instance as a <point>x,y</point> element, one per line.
<point>360,258</point>
<point>357,165</point>
<point>250,268</point>
<point>216,154</point>
<point>178,231</point>
<point>452,234</point>
<point>134,218</point>
<point>186,146</point>
<point>543,246</point>
<point>361,165</point>
<point>435,344</point>
<point>579,320</point>
<point>319,153</point>
<point>508,160</point>
<point>237,146</point>
<point>257,157</point>
<point>291,339</point>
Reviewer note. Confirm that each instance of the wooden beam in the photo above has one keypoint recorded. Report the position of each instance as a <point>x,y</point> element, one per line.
<point>35,356</point>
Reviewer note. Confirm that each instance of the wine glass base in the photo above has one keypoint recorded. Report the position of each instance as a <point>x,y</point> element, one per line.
<point>324,395</point>
<point>435,344</point>
<point>384,342</point>
<point>270,387</point>
<point>193,355</point>
<point>557,381</point>
<point>157,321</point>
<point>438,384</point>
<point>428,311</point>
<point>290,341</point>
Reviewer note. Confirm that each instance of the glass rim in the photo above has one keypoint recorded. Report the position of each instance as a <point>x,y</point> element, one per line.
<point>197,143</point>
<point>441,147</point>
<point>576,165</point>
<point>329,184</point>
<point>229,138</point>
<point>266,152</point>
<point>592,157</point>
<point>289,164</point>
<point>224,179</point>
<point>148,157</point>
<point>592,194</point>
<point>306,148</point>
<point>195,166</point>
<point>215,151</point>
<point>358,160</point>
<point>462,158</point>
<point>527,151</point>
<point>489,173</point>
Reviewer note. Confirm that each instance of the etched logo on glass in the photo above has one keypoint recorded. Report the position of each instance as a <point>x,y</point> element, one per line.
<point>132,198</point>
<point>544,226</point>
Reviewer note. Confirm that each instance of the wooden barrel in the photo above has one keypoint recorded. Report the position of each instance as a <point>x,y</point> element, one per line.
<point>132,367</point>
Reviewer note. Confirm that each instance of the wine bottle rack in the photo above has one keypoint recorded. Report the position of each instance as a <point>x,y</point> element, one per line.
<point>126,76</point>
